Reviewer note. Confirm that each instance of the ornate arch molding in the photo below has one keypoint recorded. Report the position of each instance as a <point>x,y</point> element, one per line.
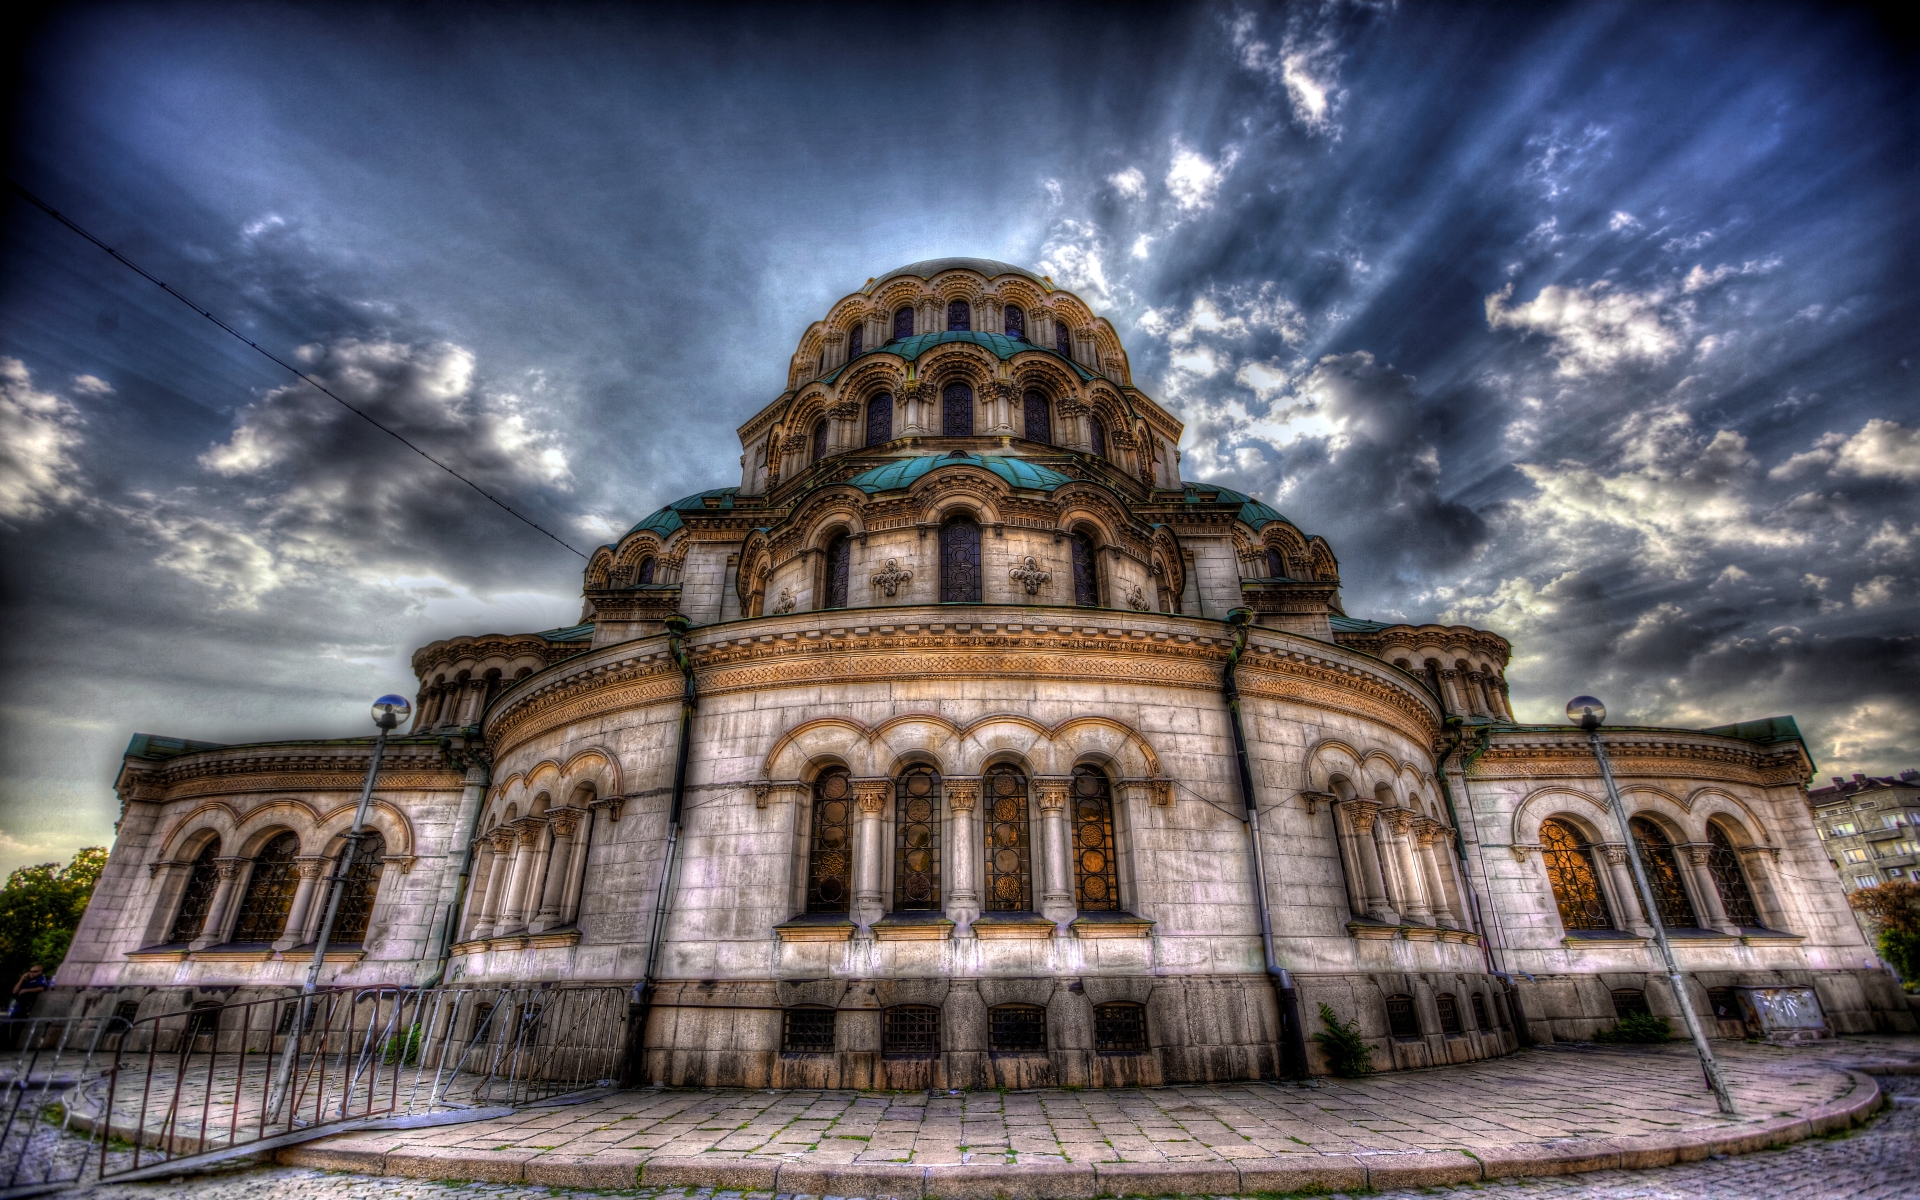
<point>876,371</point>
<point>1745,826</point>
<point>638,546</point>
<point>1041,372</point>
<point>1168,565</point>
<point>840,506</point>
<point>960,485</point>
<point>1012,289</point>
<point>901,291</point>
<point>1559,800</point>
<point>957,362</point>
<point>756,568</point>
<point>875,750</point>
<point>392,824</point>
<point>958,284</point>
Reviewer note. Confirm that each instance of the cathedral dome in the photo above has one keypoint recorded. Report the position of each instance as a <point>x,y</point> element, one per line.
<point>991,268</point>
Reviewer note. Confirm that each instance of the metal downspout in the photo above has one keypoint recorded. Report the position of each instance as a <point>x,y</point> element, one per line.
<point>677,627</point>
<point>1293,1041</point>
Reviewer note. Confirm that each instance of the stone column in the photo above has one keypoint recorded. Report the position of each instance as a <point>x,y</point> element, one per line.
<point>497,880</point>
<point>1627,914</point>
<point>868,907</point>
<point>1707,892</point>
<point>553,893</point>
<point>1350,860</point>
<point>963,893</point>
<point>1414,903</point>
<point>213,930</point>
<point>513,901</point>
<point>310,865</point>
<point>577,870</point>
<point>1056,884</point>
<point>1426,834</point>
<point>1072,432</point>
<point>476,900</point>
<point>1362,814</point>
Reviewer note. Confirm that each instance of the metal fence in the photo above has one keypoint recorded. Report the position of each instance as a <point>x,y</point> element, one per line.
<point>164,1093</point>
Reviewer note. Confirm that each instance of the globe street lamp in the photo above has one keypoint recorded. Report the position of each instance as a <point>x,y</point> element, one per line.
<point>388,713</point>
<point>1587,712</point>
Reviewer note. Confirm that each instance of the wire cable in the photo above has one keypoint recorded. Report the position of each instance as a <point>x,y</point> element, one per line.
<point>123,260</point>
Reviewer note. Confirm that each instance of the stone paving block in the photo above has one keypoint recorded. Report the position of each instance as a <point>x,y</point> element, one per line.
<point>614,1169</point>
<point>1032,1181</point>
<point>877,1180</point>
<point>1302,1172</point>
<point>1421,1168</point>
<point>1157,1179</point>
<point>707,1171</point>
<point>1565,1158</point>
<point>432,1162</point>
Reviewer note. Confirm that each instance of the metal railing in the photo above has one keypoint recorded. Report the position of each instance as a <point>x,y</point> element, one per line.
<point>40,1060</point>
<point>185,1088</point>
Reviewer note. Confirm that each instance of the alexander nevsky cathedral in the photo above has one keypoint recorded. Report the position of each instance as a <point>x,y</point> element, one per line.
<point>934,722</point>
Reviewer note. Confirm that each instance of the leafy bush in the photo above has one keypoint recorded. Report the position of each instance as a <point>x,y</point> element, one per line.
<point>403,1050</point>
<point>1347,1052</point>
<point>1636,1027</point>
<point>1893,909</point>
<point>40,908</point>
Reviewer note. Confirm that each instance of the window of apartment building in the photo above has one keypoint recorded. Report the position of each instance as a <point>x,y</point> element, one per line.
<point>1896,849</point>
<point>1844,829</point>
<point>1893,820</point>
<point>1896,872</point>
<point>1855,856</point>
<point>1864,881</point>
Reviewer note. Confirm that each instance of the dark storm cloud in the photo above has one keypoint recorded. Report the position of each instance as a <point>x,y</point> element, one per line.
<point>1581,324</point>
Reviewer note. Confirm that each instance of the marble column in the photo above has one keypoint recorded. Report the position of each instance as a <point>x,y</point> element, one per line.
<point>311,866</point>
<point>513,901</point>
<point>963,893</point>
<point>577,868</point>
<point>497,881</point>
<point>1350,860</point>
<point>1426,834</point>
<point>475,902</point>
<point>868,906</point>
<point>1362,815</point>
<point>1056,884</point>
<point>1627,915</point>
<point>553,892</point>
<point>1414,903</point>
<point>1706,890</point>
<point>225,898</point>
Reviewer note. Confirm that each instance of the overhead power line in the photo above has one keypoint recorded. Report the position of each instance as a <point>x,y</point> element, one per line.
<point>123,260</point>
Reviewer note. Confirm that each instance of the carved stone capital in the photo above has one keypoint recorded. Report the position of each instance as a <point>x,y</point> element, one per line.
<point>1315,799</point>
<point>502,840</point>
<point>1400,820</point>
<point>845,410</point>
<point>229,868</point>
<point>564,824</point>
<point>762,788</point>
<point>614,805</point>
<point>1699,855</point>
<point>1520,850</point>
<point>311,865</point>
<point>1616,853</point>
<point>1362,813</point>
<point>529,829</point>
<point>1052,792</point>
<point>963,794</point>
<point>871,794</point>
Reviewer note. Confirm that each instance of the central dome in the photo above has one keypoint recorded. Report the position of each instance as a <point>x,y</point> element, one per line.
<point>986,266</point>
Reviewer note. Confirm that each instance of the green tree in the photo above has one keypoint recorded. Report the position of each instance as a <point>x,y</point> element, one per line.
<point>1893,909</point>
<point>40,907</point>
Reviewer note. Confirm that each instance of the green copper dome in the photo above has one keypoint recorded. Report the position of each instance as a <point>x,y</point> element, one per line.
<point>1252,511</point>
<point>902,472</point>
<point>1002,347</point>
<point>666,521</point>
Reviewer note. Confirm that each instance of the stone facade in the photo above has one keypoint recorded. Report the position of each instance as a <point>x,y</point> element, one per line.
<point>961,803</point>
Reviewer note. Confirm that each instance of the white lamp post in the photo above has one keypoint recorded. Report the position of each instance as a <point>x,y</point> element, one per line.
<point>1587,712</point>
<point>388,713</point>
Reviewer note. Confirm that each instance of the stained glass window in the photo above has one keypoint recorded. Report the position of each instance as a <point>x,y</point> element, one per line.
<point>956,410</point>
<point>830,852</point>
<point>1009,848</point>
<point>1099,435</point>
<point>1119,1028</point>
<point>916,842</point>
<point>1276,565</point>
<point>1403,1021</point>
<point>1016,322</point>
<point>1723,862</point>
<point>1086,572</point>
<point>263,913</point>
<point>960,561</point>
<point>203,879</point>
<point>902,323</point>
<point>1062,340</point>
<point>820,440</point>
<point>1663,874</point>
<point>1017,1029</point>
<point>644,576</point>
<point>880,419</point>
<point>1096,880</point>
<point>839,557</point>
<point>856,341</point>
<point>910,1031</point>
<point>959,317</point>
<point>1039,420</point>
<point>1576,889</point>
<point>363,884</point>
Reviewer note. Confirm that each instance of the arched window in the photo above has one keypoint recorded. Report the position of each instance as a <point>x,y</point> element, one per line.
<point>902,323</point>
<point>644,575</point>
<point>1403,1020</point>
<point>1449,1007</point>
<point>956,410</point>
<point>1576,889</point>
<point>839,557</point>
<point>1098,433</point>
<point>203,879</point>
<point>880,419</point>
<point>1062,340</point>
<point>1086,572</point>
<point>830,848</point>
<point>820,440</point>
<point>1723,862</point>
<point>1096,880</point>
<point>916,842</point>
<point>1039,421</point>
<point>1016,322</point>
<point>363,883</point>
<point>1276,564</point>
<point>960,561</point>
<point>959,317</point>
<point>1663,873</point>
<point>856,341</point>
<point>263,912</point>
<point>1009,846</point>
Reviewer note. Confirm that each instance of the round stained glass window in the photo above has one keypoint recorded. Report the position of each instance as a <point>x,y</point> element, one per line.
<point>1007,861</point>
<point>830,890</point>
<point>1094,888</point>
<point>1007,888</point>
<point>1005,785</point>
<point>1093,860</point>
<point>919,860</point>
<point>834,812</point>
<point>834,788</point>
<point>919,809</point>
<point>833,837</point>
<point>1006,810</point>
<point>1087,785</point>
<point>919,785</point>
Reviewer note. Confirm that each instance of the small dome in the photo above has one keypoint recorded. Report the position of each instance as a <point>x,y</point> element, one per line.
<point>986,266</point>
<point>667,520</point>
<point>902,472</point>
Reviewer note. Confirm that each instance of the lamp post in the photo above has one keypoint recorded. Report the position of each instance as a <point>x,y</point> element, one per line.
<point>1587,712</point>
<point>388,712</point>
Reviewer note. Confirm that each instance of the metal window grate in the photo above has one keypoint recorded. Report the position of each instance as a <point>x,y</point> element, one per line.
<point>830,853</point>
<point>1629,1002</point>
<point>1009,850</point>
<point>839,565</point>
<point>1062,341</point>
<point>1096,880</point>
<point>902,323</point>
<point>1576,889</point>
<point>1016,322</point>
<point>1663,874</point>
<point>203,880</point>
<point>1480,1012</point>
<point>1017,1029</point>
<point>959,317</point>
<point>916,863</point>
<point>1402,1020</point>
<point>263,913</point>
<point>363,884</point>
<point>808,1031</point>
<point>880,419</point>
<point>1449,1012</point>
<point>1120,1028</point>
<point>1731,881</point>
<point>956,410</point>
<point>1086,573</point>
<point>960,562</point>
<point>1037,419</point>
<point>911,1031</point>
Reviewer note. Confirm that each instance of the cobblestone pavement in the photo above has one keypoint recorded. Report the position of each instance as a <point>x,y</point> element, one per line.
<point>1879,1160</point>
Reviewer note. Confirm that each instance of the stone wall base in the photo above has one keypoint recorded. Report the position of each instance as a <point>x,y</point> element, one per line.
<point>1572,1008</point>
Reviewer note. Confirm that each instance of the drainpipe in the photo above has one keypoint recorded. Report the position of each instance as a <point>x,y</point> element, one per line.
<point>1293,1041</point>
<point>467,749</point>
<point>643,991</point>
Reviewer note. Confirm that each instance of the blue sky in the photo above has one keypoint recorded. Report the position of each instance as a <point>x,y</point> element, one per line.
<point>1593,325</point>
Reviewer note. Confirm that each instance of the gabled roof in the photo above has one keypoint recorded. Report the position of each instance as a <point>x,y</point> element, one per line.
<point>1002,346</point>
<point>902,472</point>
